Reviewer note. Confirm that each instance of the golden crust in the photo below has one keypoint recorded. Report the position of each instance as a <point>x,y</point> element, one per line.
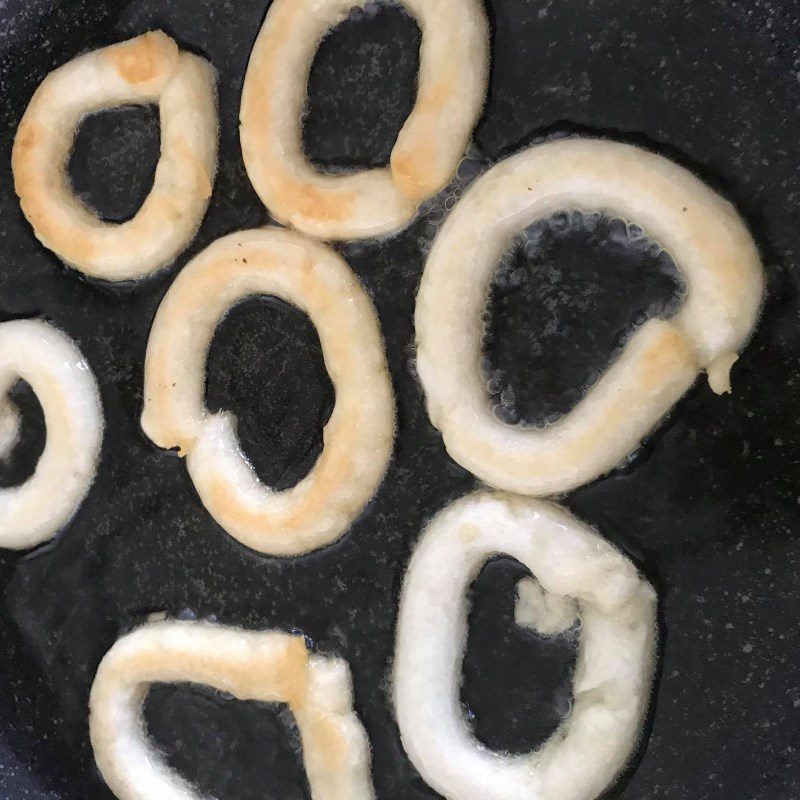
<point>411,170</point>
<point>279,674</point>
<point>327,205</point>
<point>421,163</point>
<point>148,59</point>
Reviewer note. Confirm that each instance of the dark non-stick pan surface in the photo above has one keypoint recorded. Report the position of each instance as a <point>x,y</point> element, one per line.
<point>707,507</point>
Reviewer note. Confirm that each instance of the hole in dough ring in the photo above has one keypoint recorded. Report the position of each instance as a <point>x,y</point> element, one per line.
<point>54,368</point>
<point>147,69</point>
<point>359,434</point>
<point>453,75</point>
<point>265,666</point>
<point>708,242</point>
<point>612,681</point>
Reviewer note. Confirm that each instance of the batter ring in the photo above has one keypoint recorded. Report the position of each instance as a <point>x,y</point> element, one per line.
<point>147,69</point>
<point>611,686</point>
<point>52,365</point>
<point>266,666</point>
<point>359,435</point>
<point>708,242</point>
<point>453,75</point>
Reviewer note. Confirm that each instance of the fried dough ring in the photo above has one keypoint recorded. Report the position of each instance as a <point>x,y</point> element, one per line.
<point>612,681</point>
<point>453,75</point>
<point>147,69</point>
<point>702,232</point>
<point>266,666</point>
<point>50,362</point>
<point>358,437</point>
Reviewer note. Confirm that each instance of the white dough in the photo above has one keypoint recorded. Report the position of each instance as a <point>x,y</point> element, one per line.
<point>544,612</point>
<point>612,682</point>
<point>50,362</point>
<point>706,238</point>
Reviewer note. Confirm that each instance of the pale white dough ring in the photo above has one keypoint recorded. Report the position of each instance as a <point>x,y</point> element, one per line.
<point>706,238</point>
<point>358,437</point>
<point>612,681</point>
<point>266,666</point>
<point>453,75</point>
<point>147,69</point>
<point>53,366</point>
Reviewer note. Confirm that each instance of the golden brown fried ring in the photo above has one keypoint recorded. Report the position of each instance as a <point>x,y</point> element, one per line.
<point>147,69</point>
<point>358,437</point>
<point>453,74</point>
<point>708,242</point>
<point>266,666</point>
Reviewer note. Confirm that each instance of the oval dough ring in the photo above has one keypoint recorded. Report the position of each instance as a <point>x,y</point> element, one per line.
<point>359,435</point>
<point>265,666</point>
<point>147,69</point>
<point>612,681</point>
<point>702,232</point>
<point>453,76</point>
<point>50,362</point>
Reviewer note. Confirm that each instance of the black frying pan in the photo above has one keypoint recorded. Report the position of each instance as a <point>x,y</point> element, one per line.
<point>707,507</point>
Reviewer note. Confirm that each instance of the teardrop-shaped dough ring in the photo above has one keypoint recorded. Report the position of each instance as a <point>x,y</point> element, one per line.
<point>265,666</point>
<point>611,686</point>
<point>453,75</point>
<point>708,242</point>
<point>54,368</point>
<point>147,69</point>
<point>358,437</point>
